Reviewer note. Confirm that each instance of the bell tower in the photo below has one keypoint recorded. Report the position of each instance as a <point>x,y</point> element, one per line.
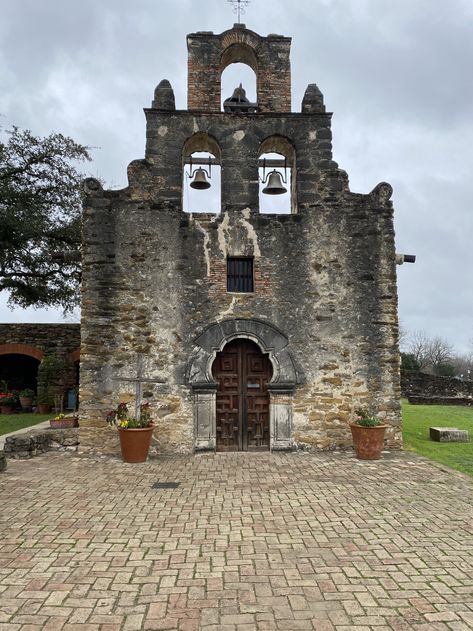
<point>258,325</point>
<point>209,55</point>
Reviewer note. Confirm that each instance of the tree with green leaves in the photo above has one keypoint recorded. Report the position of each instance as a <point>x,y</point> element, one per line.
<point>409,362</point>
<point>40,219</point>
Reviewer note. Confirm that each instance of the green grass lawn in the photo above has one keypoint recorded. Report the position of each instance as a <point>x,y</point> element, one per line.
<point>418,418</point>
<point>12,422</point>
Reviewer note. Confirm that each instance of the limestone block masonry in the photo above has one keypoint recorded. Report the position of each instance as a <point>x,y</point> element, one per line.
<point>324,305</point>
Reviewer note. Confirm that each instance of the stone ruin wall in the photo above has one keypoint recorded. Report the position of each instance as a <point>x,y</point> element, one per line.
<point>414,383</point>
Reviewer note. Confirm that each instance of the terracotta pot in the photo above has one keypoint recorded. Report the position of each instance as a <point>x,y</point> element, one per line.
<point>7,409</point>
<point>26,402</point>
<point>44,408</point>
<point>135,443</point>
<point>368,442</point>
<point>64,423</point>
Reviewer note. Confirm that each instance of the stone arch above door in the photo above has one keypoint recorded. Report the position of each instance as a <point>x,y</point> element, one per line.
<point>284,380</point>
<point>270,339</point>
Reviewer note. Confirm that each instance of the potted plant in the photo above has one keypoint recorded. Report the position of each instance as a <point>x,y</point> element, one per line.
<point>7,403</point>
<point>26,398</point>
<point>135,433</point>
<point>61,421</point>
<point>368,435</point>
<point>44,404</point>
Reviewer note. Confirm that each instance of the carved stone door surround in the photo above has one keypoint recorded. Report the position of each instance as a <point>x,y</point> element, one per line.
<point>272,342</point>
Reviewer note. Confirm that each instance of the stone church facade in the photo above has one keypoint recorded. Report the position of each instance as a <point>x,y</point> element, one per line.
<point>256,331</point>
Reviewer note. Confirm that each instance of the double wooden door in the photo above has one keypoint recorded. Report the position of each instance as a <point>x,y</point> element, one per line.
<point>242,373</point>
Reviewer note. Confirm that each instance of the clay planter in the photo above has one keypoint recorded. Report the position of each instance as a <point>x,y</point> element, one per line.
<point>44,408</point>
<point>7,409</point>
<point>135,443</point>
<point>26,402</point>
<point>64,423</point>
<point>368,442</point>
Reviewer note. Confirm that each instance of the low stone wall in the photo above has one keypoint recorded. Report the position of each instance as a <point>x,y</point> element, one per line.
<point>35,442</point>
<point>419,400</point>
<point>415,383</point>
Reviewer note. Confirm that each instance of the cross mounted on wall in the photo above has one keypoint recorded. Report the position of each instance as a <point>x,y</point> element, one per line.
<point>139,380</point>
<point>239,7</point>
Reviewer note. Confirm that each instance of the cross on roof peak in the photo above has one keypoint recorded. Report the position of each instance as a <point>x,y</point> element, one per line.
<point>239,7</point>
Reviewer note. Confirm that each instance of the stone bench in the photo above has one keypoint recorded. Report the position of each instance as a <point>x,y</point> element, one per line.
<point>449,435</point>
<point>35,442</point>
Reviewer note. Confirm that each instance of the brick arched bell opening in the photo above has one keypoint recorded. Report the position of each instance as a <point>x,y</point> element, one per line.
<point>19,365</point>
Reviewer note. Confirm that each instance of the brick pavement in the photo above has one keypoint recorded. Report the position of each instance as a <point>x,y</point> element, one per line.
<point>248,541</point>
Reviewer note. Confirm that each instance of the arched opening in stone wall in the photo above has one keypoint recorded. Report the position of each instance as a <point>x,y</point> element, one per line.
<point>269,342</point>
<point>239,66</point>
<point>19,371</point>
<point>201,173</point>
<point>236,76</point>
<point>277,156</point>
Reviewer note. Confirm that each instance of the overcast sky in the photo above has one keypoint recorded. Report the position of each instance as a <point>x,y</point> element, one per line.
<point>396,74</point>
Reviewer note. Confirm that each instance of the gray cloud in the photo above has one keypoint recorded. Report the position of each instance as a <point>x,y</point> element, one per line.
<point>395,74</point>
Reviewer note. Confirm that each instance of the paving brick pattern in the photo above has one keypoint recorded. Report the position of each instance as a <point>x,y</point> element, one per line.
<point>247,541</point>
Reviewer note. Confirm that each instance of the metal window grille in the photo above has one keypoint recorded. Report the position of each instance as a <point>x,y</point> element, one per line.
<point>240,275</point>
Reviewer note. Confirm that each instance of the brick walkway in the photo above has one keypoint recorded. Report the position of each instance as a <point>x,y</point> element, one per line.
<point>248,541</point>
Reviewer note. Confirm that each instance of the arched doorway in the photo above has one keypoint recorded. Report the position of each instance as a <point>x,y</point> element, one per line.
<point>242,372</point>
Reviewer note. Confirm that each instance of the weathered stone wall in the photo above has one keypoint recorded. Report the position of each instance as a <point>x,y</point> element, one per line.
<point>154,278</point>
<point>419,383</point>
<point>422,400</point>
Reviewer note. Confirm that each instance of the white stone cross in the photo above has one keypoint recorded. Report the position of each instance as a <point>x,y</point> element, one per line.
<point>139,380</point>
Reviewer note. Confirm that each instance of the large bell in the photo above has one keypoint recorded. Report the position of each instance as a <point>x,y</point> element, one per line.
<point>200,180</point>
<point>275,185</point>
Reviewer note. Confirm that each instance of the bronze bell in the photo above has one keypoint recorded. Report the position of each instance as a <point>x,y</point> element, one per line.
<point>200,180</point>
<point>275,185</point>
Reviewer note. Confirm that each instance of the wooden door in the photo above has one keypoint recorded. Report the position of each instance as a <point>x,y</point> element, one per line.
<point>242,373</point>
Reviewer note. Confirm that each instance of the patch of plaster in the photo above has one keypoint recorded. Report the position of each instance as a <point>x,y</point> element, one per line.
<point>163,130</point>
<point>313,135</point>
<point>201,229</point>
<point>239,135</point>
<point>229,311</point>
<point>222,234</point>
<point>195,126</point>
<point>252,236</point>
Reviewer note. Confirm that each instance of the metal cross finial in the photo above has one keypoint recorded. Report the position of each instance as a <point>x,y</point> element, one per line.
<point>239,7</point>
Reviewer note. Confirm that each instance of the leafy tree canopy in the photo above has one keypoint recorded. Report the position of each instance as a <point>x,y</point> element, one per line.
<point>40,217</point>
<point>409,362</point>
